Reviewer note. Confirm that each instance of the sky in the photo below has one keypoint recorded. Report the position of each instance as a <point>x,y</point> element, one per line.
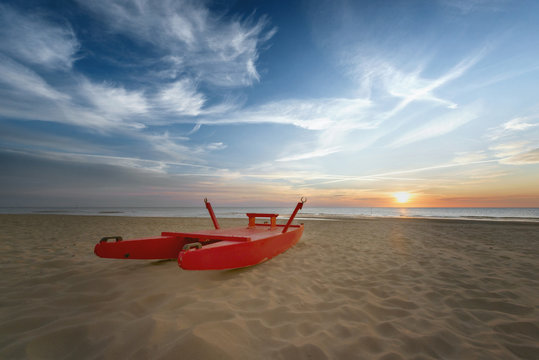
<point>257,103</point>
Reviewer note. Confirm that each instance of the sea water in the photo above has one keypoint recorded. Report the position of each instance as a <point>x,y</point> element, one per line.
<point>522,214</point>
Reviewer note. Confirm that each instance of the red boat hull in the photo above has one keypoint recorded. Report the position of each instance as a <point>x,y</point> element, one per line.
<point>231,255</point>
<point>161,247</point>
<point>213,250</point>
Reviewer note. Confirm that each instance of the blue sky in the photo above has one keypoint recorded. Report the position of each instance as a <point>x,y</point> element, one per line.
<point>161,103</point>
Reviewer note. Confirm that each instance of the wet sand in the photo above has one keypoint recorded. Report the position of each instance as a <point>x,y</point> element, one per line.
<point>350,289</point>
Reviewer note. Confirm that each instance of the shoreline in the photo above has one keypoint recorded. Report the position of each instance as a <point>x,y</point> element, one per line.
<point>303,217</point>
<point>360,217</point>
<point>480,214</point>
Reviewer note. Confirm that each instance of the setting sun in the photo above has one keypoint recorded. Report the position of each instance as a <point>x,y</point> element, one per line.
<point>402,196</point>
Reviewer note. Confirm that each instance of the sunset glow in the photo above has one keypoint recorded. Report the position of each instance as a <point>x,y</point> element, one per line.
<point>402,197</point>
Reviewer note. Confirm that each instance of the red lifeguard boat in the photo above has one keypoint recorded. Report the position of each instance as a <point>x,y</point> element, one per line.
<point>214,249</point>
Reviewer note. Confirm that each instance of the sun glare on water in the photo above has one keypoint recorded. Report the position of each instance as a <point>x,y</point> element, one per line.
<point>402,196</point>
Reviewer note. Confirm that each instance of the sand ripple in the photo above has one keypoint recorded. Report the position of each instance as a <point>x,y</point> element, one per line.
<point>386,289</point>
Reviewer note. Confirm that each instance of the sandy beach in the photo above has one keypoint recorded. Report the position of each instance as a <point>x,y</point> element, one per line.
<point>350,289</point>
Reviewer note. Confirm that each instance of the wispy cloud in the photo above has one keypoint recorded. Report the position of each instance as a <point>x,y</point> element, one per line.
<point>334,118</point>
<point>468,6</point>
<point>22,80</point>
<point>392,174</point>
<point>314,114</point>
<point>173,149</point>
<point>328,118</point>
<point>32,39</point>
<point>215,146</point>
<point>381,82</point>
<point>512,126</point>
<point>524,158</point>
<point>219,50</point>
<point>519,124</point>
<point>147,165</point>
<point>312,154</point>
<point>193,43</point>
<point>413,88</point>
<point>182,98</point>
<point>114,101</point>
<point>407,85</point>
<point>470,157</point>
<point>105,108</point>
<point>442,125</point>
<point>510,148</point>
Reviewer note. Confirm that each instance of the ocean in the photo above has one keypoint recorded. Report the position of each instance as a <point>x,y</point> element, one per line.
<point>320,213</point>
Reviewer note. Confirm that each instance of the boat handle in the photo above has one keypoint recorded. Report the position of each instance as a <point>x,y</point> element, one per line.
<point>187,247</point>
<point>212,214</point>
<point>299,206</point>
<point>117,238</point>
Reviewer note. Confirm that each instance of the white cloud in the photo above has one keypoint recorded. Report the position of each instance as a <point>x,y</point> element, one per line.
<point>514,142</point>
<point>181,97</point>
<point>518,124</point>
<point>524,158</point>
<point>469,157</point>
<point>21,79</point>
<point>103,106</point>
<point>178,148</point>
<point>95,119</point>
<point>114,100</point>
<point>216,146</point>
<point>331,118</point>
<point>408,86</point>
<point>24,86</point>
<point>469,6</point>
<point>169,146</point>
<point>216,49</point>
<point>314,179</point>
<point>412,87</point>
<point>32,39</point>
<point>314,114</point>
<point>510,149</point>
<point>39,44</point>
<point>335,118</point>
<point>195,129</point>
<point>442,125</point>
<point>312,154</point>
<point>511,127</point>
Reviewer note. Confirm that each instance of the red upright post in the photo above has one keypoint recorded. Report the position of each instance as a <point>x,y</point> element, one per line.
<point>298,207</point>
<point>210,210</point>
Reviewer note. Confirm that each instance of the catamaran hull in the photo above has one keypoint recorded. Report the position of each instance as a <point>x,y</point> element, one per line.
<point>232,255</point>
<point>160,247</point>
<point>219,251</point>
